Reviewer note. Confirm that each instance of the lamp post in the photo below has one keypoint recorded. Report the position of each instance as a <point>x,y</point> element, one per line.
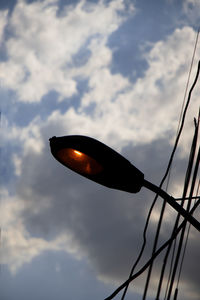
<point>98,162</point>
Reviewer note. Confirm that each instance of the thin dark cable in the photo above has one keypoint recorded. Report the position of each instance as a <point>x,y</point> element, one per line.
<point>189,74</point>
<point>184,98</point>
<point>142,249</point>
<point>164,204</point>
<point>188,173</point>
<point>184,227</point>
<point>171,267</point>
<point>181,264</point>
<point>158,251</point>
<point>151,208</point>
<point>186,184</point>
<point>164,177</point>
<point>184,251</point>
<point>186,243</point>
<point>154,249</point>
<point>187,179</point>
<point>164,266</point>
<point>169,165</point>
<point>167,171</point>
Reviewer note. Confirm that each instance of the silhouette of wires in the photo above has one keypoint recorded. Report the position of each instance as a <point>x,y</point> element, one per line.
<point>157,252</point>
<point>150,264</point>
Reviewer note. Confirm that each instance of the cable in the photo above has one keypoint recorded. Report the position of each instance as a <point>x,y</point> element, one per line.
<point>153,257</point>
<point>189,74</point>
<point>166,173</point>
<point>178,135</point>
<point>187,235</point>
<point>142,248</point>
<point>171,268</point>
<point>184,251</point>
<point>186,184</point>
<point>158,251</point>
<point>189,203</point>
<point>184,227</point>
<point>169,165</point>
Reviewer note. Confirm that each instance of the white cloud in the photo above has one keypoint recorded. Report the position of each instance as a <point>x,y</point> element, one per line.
<point>140,112</point>
<point>17,245</point>
<point>118,112</point>
<point>41,59</point>
<point>113,110</point>
<point>43,43</point>
<point>3,21</point>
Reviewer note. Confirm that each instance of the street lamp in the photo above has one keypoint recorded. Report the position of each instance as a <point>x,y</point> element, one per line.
<point>98,162</point>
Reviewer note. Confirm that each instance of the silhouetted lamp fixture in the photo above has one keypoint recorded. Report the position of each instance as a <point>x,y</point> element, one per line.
<point>98,162</point>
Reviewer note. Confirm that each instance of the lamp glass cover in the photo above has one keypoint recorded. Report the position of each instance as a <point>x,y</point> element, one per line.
<point>79,162</point>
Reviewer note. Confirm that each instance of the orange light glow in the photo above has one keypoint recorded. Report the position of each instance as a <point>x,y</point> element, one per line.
<point>79,162</point>
<point>78,153</point>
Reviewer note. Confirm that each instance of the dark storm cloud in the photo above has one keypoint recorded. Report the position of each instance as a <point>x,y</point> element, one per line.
<point>106,225</point>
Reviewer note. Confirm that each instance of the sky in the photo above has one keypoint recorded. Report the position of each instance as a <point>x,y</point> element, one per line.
<point>113,70</point>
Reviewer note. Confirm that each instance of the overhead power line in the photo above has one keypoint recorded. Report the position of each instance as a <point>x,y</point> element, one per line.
<point>179,131</point>
<point>180,128</point>
<point>158,251</point>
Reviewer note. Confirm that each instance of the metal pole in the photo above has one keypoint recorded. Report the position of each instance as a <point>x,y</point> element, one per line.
<point>171,201</point>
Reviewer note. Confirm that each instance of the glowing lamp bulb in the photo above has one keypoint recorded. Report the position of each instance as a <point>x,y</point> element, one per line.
<point>79,162</point>
<point>78,153</point>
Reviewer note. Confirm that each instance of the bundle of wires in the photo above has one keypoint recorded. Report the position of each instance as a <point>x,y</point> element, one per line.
<point>176,228</point>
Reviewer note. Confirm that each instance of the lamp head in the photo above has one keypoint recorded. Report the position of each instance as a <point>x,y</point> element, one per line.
<point>96,161</point>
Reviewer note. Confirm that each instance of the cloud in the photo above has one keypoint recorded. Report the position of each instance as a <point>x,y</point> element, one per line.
<point>43,43</point>
<point>63,211</point>
<point>18,245</point>
<point>54,209</point>
<point>191,10</point>
<point>3,18</point>
<point>47,62</point>
<point>143,111</point>
<point>60,210</point>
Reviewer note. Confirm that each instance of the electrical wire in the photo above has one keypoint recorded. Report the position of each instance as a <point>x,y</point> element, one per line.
<point>158,251</point>
<point>189,75</point>
<point>171,158</point>
<point>180,127</point>
<point>169,165</point>
<point>184,227</point>
<point>186,184</point>
<point>142,248</point>
<point>188,173</point>
<point>176,290</point>
<point>184,251</point>
<point>179,130</point>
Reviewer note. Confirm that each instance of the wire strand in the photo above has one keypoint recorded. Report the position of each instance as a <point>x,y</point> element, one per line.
<point>189,74</point>
<point>184,251</point>
<point>177,138</point>
<point>166,174</point>
<point>168,168</point>
<point>184,227</point>
<point>185,189</point>
<point>158,251</point>
<point>179,130</point>
<point>174,149</point>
